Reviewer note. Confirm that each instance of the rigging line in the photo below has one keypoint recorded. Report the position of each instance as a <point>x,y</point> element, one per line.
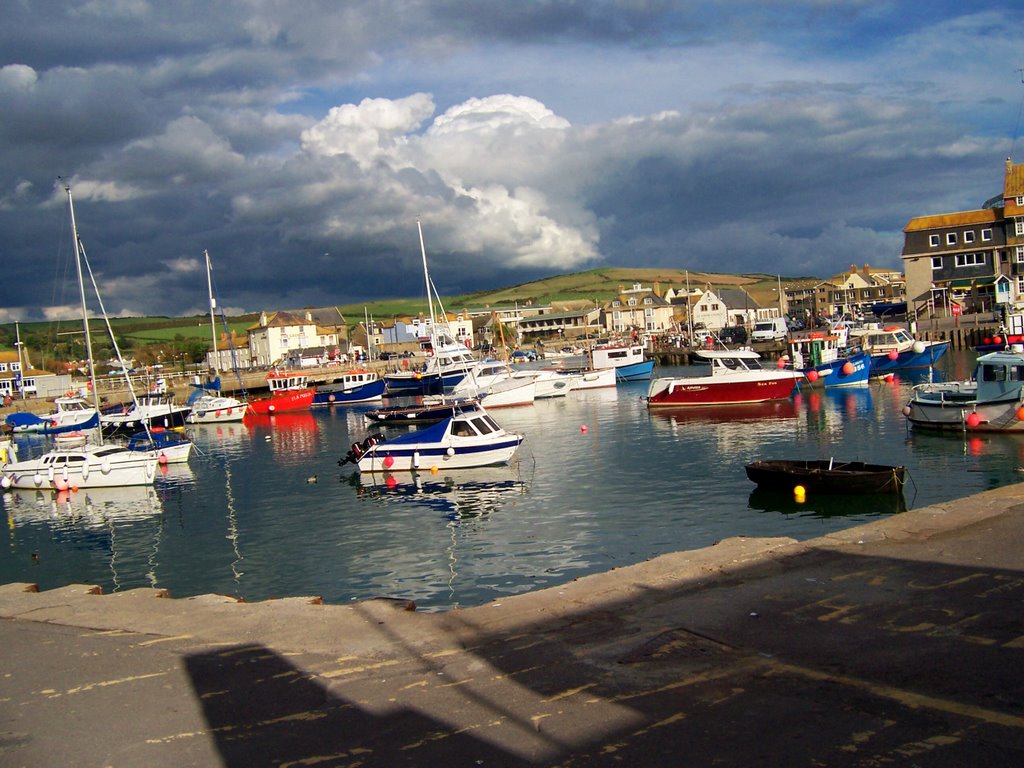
<point>106,320</point>
<point>227,331</point>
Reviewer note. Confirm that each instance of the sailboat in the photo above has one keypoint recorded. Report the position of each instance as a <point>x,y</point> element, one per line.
<point>208,405</point>
<point>450,361</point>
<point>78,464</point>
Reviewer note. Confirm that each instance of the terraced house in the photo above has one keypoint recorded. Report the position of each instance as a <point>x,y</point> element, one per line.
<point>969,261</point>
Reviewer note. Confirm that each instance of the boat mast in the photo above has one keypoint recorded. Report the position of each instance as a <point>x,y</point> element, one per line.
<point>85,310</point>
<point>21,367</point>
<point>426,277</point>
<point>213,304</point>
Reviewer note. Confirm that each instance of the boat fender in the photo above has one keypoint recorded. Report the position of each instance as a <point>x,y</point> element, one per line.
<point>6,482</point>
<point>49,473</point>
<point>85,471</point>
<point>105,467</point>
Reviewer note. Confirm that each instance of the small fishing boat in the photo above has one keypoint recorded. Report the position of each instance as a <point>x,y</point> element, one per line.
<point>729,376</point>
<point>826,476</point>
<point>159,410</point>
<point>468,438</point>
<point>71,413</point>
<point>170,446</point>
<point>824,359</point>
<point>210,408</point>
<point>354,386</point>
<point>288,392</point>
<point>991,401</point>
<point>628,361</point>
<point>893,349</point>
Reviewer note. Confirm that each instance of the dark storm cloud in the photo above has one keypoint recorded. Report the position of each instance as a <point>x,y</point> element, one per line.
<point>301,142</point>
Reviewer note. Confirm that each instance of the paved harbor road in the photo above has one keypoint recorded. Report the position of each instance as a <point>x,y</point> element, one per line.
<point>896,643</point>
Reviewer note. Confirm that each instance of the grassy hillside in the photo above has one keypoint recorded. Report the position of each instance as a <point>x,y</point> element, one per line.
<point>191,334</point>
<point>596,285</point>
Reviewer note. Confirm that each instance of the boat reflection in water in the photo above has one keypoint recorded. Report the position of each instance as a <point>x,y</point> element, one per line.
<point>468,493</point>
<point>113,532</point>
<point>860,507</point>
<point>294,435</point>
<point>728,413</point>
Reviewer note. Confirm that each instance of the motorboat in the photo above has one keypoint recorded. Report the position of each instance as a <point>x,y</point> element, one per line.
<point>548,382</point>
<point>210,408</point>
<point>148,411</point>
<point>627,360</point>
<point>170,446</point>
<point>467,438</point>
<point>824,359</point>
<point>495,384</point>
<point>727,376</point>
<point>892,349</point>
<point>355,386</point>
<point>826,476</point>
<point>71,413</point>
<point>288,392</point>
<point>991,401</point>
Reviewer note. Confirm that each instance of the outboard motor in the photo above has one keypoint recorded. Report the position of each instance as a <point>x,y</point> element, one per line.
<point>359,448</point>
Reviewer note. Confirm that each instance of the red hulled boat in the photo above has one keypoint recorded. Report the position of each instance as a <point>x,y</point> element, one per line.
<point>732,376</point>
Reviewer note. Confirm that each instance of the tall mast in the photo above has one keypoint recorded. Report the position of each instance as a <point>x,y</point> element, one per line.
<point>85,309</point>
<point>426,277</point>
<point>213,303</point>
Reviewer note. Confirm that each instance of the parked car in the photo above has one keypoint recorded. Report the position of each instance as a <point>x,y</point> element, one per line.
<point>733,334</point>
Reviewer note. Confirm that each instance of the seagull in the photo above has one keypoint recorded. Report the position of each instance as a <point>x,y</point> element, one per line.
<point>311,479</point>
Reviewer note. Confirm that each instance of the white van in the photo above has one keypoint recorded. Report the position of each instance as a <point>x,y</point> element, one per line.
<point>773,329</point>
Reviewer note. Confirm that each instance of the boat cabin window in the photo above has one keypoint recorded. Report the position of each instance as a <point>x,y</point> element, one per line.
<point>997,372</point>
<point>485,425</point>
<point>462,429</point>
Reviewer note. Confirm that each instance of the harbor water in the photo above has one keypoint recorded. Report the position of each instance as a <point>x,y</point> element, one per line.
<point>263,510</point>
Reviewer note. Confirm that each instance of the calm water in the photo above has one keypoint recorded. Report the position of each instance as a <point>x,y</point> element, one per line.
<point>243,518</point>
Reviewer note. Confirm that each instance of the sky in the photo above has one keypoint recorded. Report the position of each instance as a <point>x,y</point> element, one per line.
<point>300,142</point>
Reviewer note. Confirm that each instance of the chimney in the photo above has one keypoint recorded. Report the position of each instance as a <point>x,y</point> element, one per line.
<point>867,269</point>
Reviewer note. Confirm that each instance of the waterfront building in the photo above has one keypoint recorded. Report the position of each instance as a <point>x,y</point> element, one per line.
<point>968,261</point>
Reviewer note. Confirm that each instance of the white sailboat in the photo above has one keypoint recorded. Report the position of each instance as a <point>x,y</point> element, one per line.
<point>72,465</point>
<point>450,361</point>
<point>208,405</point>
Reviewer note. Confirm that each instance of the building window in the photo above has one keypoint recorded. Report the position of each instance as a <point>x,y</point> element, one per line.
<point>970,259</point>
<point>969,237</point>
<point>3,367</point>
<point>1018,254</point>
<point>936,262</point>
<point>951,238</point>
<point>986,235</point>
<point>933,241</point>
<point>1018,227</point>
<point>632,302</point>
<point>1020,199</point>
<point>1020,286</point>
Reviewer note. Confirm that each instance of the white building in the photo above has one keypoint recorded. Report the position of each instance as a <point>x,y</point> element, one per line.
<point>277,334</point>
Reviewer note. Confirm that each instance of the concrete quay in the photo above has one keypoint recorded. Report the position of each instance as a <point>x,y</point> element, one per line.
<point>898,643</point>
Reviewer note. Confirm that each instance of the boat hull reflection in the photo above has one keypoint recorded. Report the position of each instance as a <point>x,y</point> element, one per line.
<point>467,493</point>
<point>828,505</point>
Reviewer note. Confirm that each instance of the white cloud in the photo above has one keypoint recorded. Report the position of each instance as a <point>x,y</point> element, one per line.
<point>17,77</point>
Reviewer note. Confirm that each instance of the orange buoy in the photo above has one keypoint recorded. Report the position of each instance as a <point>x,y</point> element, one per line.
<point>973,419</point>
<point>893,354</point>
<point>812,375</point>
<point>847,368</point>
